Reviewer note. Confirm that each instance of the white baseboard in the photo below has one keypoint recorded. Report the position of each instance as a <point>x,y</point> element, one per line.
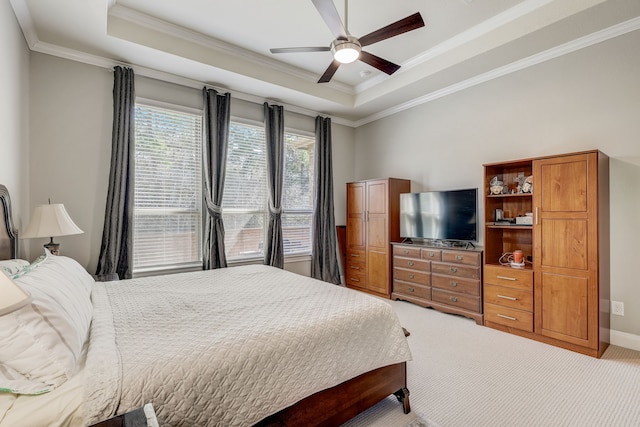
<point>626,340</point>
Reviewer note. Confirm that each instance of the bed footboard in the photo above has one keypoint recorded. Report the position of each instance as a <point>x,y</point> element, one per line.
<point>339,404</point>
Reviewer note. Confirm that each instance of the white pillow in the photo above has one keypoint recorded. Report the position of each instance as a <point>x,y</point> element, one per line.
<point>41,343</point>
<point>13,266</point>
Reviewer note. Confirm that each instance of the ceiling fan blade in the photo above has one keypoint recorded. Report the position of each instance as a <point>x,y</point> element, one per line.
<point>300,49</point>
<point>379,63</point>
<point>330,15</point>
<point>402,26</point>
<point>328,74</point>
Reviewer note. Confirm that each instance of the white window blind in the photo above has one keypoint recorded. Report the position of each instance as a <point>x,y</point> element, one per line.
<point>246,193</point>
<point>168,188</point>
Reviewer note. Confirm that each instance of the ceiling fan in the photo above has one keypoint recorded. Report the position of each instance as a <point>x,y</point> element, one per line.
<point>347,48</point>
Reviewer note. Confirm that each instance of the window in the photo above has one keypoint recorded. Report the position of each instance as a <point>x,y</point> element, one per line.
<point>246,195</point>
<point>168,188</point>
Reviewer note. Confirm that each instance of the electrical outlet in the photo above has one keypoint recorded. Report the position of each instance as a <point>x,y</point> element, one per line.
<point>617,308</point>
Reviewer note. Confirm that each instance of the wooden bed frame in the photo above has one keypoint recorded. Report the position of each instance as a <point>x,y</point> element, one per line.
<point>329,407</point>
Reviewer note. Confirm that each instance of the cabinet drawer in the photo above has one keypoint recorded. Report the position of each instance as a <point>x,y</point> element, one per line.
<point>431,254</point>
<point>456,270</point>
<point>508,297</point>
<point>356,278</point>
<point>509,277</point>
<point>413,290</point>
<point>411,263</point>
<point>355,267</point>
<point>455,284</point>
<point>413,276</point>
<point>466,302</point>
<point>462,257</point>
<point>406,251</point>
<point>356,255</point>
<point>509,317</point>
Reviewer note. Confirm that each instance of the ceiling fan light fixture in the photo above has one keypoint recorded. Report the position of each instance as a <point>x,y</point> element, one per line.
<point>346,51</point>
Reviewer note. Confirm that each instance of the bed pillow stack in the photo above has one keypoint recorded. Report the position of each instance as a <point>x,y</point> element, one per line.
<point>41,343</point>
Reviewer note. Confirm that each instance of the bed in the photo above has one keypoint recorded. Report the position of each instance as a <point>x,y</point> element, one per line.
<point>251,345</point>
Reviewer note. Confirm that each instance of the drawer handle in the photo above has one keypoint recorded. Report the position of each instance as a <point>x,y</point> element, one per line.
<point>355,255</point>
<point>513,279</point>
<point>431,254</point>
<point>506,297</point>
<point>506,317</point>
<point>454,299</point>
<point>412,290</point>
<point>406,251</point>
<point>411,276</point>
<point>353,279</point>
<point>454,284</point>
<point>453,269</point>
<point>354,267</point>
<point>459,257</point>
<point>411,263</point>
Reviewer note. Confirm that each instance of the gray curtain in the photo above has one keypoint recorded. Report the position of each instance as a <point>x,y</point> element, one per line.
<point>274,131</point>
<point>324,263</point>
<point>116,251</point>
<point>214,160</point>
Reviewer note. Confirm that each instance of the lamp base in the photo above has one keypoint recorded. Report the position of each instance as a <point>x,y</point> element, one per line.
<point>54,248</point>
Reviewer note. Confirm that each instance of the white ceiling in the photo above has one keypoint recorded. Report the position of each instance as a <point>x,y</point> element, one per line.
<point>226,44</point>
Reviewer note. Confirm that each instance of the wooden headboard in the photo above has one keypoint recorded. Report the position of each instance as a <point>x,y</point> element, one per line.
<point>8,234</point>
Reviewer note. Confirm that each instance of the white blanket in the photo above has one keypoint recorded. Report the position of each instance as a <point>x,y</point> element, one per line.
<point>229,347</point>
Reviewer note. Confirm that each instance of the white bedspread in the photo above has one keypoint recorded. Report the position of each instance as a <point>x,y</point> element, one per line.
<point>231,346</point>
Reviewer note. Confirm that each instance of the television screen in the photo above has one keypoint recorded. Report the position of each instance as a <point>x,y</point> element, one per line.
<point>440,215</point>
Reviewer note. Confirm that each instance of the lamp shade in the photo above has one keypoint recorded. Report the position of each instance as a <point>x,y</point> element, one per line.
<point>12,297</point>
<point>50,221</point>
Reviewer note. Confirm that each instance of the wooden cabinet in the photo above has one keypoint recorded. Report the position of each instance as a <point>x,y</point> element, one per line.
<point>445,279</point>
<point>372,224</point>
<point>566,299</point>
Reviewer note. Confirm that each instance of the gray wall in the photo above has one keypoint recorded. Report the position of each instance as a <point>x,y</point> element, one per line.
<point>14,111</point>
<point>589,99</point>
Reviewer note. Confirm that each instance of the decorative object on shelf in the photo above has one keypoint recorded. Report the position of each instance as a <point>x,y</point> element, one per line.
<point>51,221</point>
<point>496,186</point>
<point>527,185</point>
<point>12,297</point>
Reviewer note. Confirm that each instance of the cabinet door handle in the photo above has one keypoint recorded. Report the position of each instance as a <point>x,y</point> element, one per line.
<point>506,317</point>
<point>412,290</point>
<point>453,270</point>
<point>454,284</point>
<point>507,278</point>
<point>411,263</point>
<point>459,257</point>
<point>411,276</point>
<point>506,297</point>
<point>536,215</point>
<point>454,299</point>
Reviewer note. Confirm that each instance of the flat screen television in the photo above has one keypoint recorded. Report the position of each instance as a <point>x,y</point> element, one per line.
<point>440,215</point>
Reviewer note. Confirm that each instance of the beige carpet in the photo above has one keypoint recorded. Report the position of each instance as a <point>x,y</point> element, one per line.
<point>467,375</point>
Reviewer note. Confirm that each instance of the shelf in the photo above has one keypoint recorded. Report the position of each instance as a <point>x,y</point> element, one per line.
<point>510,227</point>
<point>502,196</point>
<point>507,267</point>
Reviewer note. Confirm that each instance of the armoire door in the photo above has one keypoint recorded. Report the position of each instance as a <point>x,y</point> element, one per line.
<point>377,235</point>
<point>565,248</point>
<point>356,215</point>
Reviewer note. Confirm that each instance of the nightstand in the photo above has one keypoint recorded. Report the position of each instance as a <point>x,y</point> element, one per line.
<point>141,417</point>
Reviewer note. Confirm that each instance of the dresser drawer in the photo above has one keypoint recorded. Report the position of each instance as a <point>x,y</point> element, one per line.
<point>431,254</point>
<point>462,257</point>
<point>406,251</point>
<point>509,317</point>
<point>456,270</point>
<point>455,284</point>
<point>508,297</point>
<point>466,302</point>
<point>411,263</point>
<point>356,255</point>
<point>413,276</point>
<point>508,277</point>
<point>412,290</point>
<point>356,279</point>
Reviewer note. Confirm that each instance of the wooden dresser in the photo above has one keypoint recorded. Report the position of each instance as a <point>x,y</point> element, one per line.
<point>446,279</point>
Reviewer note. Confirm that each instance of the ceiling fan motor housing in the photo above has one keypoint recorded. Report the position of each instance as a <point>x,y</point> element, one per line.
<point>346,50</point>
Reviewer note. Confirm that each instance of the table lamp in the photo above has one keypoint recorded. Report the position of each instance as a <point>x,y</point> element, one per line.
<point>12,297</point>
<point>51,221</point>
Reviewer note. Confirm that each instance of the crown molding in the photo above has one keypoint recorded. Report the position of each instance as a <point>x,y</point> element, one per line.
<point>23,16</point>
<point>549,54</point>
